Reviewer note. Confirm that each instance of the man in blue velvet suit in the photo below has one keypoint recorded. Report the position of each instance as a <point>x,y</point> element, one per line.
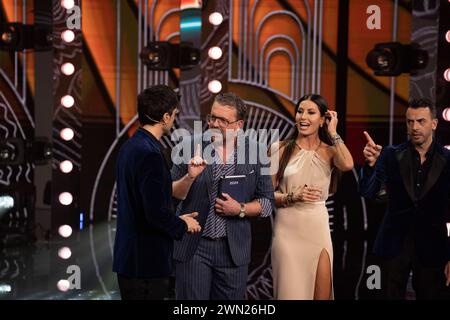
<point>214,264</point>
<point>416,178</point>
<point>146,223</point>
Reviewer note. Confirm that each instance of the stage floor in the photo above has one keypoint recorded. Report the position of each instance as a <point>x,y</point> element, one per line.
<point>32,271</point>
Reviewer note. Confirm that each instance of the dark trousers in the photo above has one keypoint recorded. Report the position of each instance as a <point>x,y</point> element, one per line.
<point>210,274</point>
<point>143,289</point>
<point>428,282</point>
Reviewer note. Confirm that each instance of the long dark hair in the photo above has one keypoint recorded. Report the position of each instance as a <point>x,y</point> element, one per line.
<point>289,144</point>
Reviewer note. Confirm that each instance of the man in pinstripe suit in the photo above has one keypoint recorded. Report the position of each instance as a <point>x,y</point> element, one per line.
<point>214,264</point>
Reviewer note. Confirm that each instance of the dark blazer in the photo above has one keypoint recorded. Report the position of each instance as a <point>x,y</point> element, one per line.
<point>199,199</point>
<point>146,223</point>
<point>427,215</point>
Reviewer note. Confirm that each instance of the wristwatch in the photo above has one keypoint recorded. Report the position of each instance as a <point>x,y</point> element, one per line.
<point>242,212</point>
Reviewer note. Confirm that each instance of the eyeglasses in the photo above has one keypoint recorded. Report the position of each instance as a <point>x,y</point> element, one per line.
<point>221,121</point>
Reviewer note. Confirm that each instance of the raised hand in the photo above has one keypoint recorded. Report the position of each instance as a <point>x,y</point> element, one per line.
<point>332,121</point>
<point>191,221</point>
<point>371,150</point>
<point>197,164</point>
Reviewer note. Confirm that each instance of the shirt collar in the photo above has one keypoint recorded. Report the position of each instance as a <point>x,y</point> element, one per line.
<point>429,152</point>
<point>151,136</point>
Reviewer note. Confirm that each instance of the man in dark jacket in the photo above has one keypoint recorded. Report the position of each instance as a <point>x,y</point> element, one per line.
<point>413,235</point>
<point>146,223</point>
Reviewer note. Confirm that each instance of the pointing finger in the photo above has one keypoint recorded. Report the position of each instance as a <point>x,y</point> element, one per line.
<point>369,138</point>
<point>198,151</point>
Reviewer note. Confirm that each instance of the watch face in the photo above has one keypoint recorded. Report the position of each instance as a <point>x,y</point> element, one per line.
<point>242,214</point>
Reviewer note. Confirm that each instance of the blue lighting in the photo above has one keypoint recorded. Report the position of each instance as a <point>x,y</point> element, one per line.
<point>81,220</point>
<point>191,25</point>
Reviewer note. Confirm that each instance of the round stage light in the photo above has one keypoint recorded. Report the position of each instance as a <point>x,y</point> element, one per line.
<point>67,4</point>
<point>214,86</point>
<point>66,166</point>
<point>447,36</point>
<point>67,134</point>
<point>65,231</point>
<point>67,101</point>
<point>5,288</point>
<point>447,75</point>
<point>65,198</point>
<point>67,68</point>
<point>6,202</point>
<point>63,285</point>
<point>68,35</point>
<point>446,114</point>
<point>64,253</point>
<point>215,18</point>
<point>448,147</point>
<point>215,53</point>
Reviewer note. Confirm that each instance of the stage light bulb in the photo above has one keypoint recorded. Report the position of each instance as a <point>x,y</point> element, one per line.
<point>446,114</point>
<point>64,253</point>
<point>63,285</point>
<point>215,53</point>
<point>5,288</point>
<point>6,202</point>
<point>66,166</point>
<point>215,18</point>
<point>67,4</point>
<point>68,68</point>
<point>67,134</point>
<point>67,101</point>
<point>447,75</point>
<point>65,231</point>
<point>68,35</point>
<point>65,198</point>
<point>214,86</point>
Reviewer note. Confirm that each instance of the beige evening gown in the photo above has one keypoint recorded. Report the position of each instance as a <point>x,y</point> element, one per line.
<point>301,230</point>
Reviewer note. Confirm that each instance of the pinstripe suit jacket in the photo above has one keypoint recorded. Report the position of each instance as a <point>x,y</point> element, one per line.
<point>200,198</point>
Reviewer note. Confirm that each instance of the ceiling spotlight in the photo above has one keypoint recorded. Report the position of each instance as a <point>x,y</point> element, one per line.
<point>7,37</point>
<point>215,86</point>
<point>215,18</point>
<point>215,53</point>
<point>393,58</point>
<point>18,37</point>
<point>163,55</point>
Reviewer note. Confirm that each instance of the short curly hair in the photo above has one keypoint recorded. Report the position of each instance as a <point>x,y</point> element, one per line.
<point>154,102</point>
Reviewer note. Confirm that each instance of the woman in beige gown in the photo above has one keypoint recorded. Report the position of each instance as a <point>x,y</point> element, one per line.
<point>302,252</point>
